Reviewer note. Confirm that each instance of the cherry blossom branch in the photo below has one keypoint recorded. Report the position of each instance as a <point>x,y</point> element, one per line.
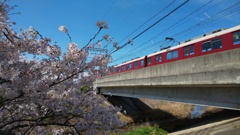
<point>21,94</point>
<point>76,130</point>
<point>70,38</point>
<point>29,99</point>
<point>37,122</point>
<point>2,80</point>
<point>68,77</point>
<point>92,38</point>
<point>65,30</point>
<point>31,127</point>
<point>7,37</point>
<point>100,25</point>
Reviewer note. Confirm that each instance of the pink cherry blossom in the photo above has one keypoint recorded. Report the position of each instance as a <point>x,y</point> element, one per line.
<point>106,37</point>
<point>52,89</point>
<point>102,24</point>
<point>63,29</point>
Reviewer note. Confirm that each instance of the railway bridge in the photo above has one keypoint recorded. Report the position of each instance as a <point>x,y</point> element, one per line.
<point>211,80</point>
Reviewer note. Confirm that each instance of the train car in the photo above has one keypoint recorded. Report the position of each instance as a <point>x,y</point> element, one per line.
<point>216,41</point>
<point>130,65</point>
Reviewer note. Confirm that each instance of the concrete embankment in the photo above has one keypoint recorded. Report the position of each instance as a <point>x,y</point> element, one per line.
<point>224,127</point>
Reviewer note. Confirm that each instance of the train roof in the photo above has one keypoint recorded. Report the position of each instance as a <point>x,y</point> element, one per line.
<point>135,59</point>
<point>189,42</point>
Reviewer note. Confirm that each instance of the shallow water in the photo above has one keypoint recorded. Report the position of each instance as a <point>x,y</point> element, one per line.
<point>197,111</point>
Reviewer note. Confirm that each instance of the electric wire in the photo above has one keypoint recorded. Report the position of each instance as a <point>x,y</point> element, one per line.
<point>214,17</point>
<point>212,7</point>
<point>148,20</point>
<point>105,14</point>
<point>123,23</point>
<point>160,11</point>
<point>128,19</point>
<point>108,9</point>
<point>172,25</point>
<point>148,48</point>
<point>152,25</point>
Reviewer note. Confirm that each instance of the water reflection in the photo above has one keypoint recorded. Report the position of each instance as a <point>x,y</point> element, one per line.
<point>197,111</point>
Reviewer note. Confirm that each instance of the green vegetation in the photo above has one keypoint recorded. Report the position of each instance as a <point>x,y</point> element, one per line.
<point>147,130</point>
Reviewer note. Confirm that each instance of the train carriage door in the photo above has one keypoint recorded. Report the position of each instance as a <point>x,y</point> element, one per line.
<point>145,61</point>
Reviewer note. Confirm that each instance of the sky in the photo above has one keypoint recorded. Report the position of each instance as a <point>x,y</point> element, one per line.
<point>126,19</point>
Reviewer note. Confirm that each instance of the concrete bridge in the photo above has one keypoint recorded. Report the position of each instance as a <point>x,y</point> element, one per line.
<point>212,80</point>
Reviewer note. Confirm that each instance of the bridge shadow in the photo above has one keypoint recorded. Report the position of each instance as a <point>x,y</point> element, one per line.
<point>141,113</point>
<point>138,110</point>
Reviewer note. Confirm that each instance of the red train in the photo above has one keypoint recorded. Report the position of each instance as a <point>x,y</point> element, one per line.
<point>216,41</point>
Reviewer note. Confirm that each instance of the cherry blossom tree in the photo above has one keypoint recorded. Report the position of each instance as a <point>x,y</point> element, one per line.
<point>53,88</point>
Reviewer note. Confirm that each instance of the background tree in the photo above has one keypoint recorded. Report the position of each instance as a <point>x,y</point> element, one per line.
<point>51,88</point>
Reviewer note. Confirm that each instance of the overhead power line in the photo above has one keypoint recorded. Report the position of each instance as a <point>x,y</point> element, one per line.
<point>159,20</point>
<point>148,20</point>
<point>160,11</point>
<point>232,9</point>
<point>108,9</point>
<point>152,25</point>
<point>173,24</point>
<point>216,16</point>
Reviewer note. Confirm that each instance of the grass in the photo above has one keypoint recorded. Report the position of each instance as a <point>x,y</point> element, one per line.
<point>147,130</point>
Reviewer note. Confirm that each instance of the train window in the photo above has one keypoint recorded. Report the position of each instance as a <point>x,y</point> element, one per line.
<point>175,54</point>
<point>142,63</point>
<point>217,43</point>
<point>135,64</point>
<point>236,38</point>
<point>149,60</point>
<point>123,67</point>
<point>172,54</point>
<point>169,55</point>
<point>129,66</point>
<point>159,58</point>
<point>189,50</point>
<point>206,46</point>
<point>210,45</point>
<point>118,69</point>
<point>186,51</point>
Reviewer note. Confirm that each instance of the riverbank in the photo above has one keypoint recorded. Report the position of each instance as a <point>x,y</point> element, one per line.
<point>174,117</point>
<point>174,125</point>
